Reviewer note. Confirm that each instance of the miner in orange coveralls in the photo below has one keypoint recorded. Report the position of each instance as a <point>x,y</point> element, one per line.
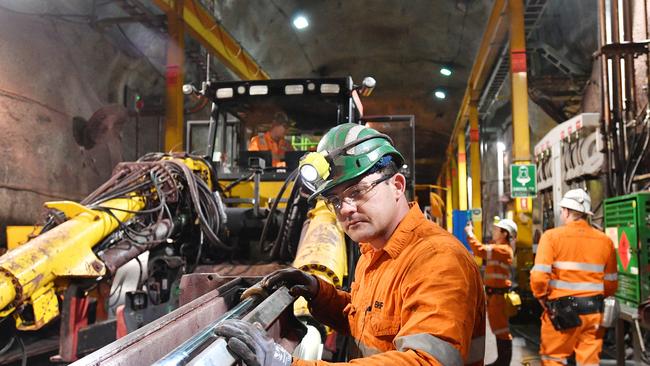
<point>417,298</point>
<point>575,267</point>
<point>273,140</point>
<point>498,257</point>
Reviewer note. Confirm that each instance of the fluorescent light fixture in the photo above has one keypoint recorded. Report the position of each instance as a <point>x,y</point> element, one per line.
<point>330,88</point>
<point>446,71</point>
<point>294,89</point>
<point>224,93</point>
<point>258,90</point>
<point>300,22</point>
<point>440,94</point>
<point>501,146</point>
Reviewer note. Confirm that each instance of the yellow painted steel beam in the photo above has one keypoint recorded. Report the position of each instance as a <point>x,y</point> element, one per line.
<point>216,39</point>
<point>519,80</point>
<point>454,184</point>
<point>462,172</point>
<point>492,41</point>
<point>449,202</point>
<point>475,169</point>
<point>174,119</point>
<point>521,137</point>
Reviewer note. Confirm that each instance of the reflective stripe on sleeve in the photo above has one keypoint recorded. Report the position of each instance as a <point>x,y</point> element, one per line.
<point>578,286</point>
<point>476,350</point>
<point>556,359</point>
<point>542,268</point>
<point>442,351</point>
<point>496,276</point>
<point>611,276</point>
<point>498,264</point>
<point>579,266</point>
<point>500,331</point>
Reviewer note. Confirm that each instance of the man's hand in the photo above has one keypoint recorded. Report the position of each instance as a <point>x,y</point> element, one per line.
<point>251,344</point>
<point>299,283</point>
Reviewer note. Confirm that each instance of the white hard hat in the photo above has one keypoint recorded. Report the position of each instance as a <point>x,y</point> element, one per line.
<point>508,225</point>
<point>577,200</point>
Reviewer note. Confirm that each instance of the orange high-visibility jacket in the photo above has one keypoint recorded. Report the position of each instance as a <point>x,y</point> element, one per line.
<point>498,261</point>
<point>574,260</point>
<point>418,301</point>
<point>264,142</point>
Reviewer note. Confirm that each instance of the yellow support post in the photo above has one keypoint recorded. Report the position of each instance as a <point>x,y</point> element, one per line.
<point>521,136</point>
<point>454,184</point>
<point>174,75</point>
<point>519,80</point>
<point>449,202</point>
<point>462,171</point>
<point>475,159</point>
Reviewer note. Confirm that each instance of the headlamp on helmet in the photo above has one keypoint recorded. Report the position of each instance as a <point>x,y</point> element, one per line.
<point>314,169</point>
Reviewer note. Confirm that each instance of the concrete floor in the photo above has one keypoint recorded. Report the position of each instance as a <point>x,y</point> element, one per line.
<point>521,350</point>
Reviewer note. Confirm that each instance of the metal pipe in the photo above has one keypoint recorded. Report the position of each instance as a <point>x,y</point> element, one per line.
<point>190,348</point>
<point>217,354</point>
<point>605,120</point>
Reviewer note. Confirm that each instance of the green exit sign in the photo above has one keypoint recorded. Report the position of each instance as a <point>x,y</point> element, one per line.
<point>523,181</point>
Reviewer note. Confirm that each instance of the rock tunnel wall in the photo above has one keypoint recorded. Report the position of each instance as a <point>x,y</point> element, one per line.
<point>51,71</point>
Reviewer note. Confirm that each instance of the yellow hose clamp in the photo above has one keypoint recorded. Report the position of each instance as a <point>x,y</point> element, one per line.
<point>314,169</point>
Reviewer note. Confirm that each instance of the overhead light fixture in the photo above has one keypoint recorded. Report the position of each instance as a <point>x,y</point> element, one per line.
<point>440,94</point>
<point>446,71</point>
<point>300,22</point>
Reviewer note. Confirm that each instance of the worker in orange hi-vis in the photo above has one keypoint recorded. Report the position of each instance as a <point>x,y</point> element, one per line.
<point>273,140</point>
<point>575,268</point>
<point>417,296</point>
<point>498,256</point>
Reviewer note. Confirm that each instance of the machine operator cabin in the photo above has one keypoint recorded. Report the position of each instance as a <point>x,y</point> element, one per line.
<point>275,183</point>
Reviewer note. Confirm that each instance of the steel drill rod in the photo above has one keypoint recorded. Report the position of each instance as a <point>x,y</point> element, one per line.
<point>182,354</point>
<point>217,354</point>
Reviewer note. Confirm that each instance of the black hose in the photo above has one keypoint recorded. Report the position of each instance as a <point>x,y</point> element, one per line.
<point>291,177</point>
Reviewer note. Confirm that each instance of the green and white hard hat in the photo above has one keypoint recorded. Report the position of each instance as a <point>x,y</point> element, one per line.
<point>346,152</point>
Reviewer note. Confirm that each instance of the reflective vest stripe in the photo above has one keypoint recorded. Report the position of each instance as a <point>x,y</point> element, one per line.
<point>488,251</point>
<point>579,266</point>
<point>441,350</point>
<point>611,276</point>
<point>576,286</point>
<point>556,359</point>
<point>476,350</point>
<point>542,268</point>
<point>500,331</point>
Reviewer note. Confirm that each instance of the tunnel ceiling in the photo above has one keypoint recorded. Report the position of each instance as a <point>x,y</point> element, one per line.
<point>401,44</point>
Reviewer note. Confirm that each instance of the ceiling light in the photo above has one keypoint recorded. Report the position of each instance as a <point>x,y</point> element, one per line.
<point>440,94</point>
<point>446,71</point>
<point>300,22</point>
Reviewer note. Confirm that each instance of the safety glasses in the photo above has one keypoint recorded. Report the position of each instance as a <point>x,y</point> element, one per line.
<point>357,194</point>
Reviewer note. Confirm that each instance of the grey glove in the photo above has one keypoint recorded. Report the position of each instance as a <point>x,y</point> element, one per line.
<point>251,343</point>
<point>299,283</point>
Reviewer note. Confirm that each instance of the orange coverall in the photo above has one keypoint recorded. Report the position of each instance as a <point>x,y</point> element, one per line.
<point>573,260</point>
<point>266,143</point>
<point>417,301</point>
<point>497,275</point>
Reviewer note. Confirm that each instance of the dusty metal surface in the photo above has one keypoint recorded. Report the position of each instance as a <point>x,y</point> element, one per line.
<point>195,285</point>
<point>237,270</point>
<point>153,341</point>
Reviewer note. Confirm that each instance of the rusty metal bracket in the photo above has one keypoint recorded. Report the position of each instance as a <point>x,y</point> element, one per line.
<point>636,49</point>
